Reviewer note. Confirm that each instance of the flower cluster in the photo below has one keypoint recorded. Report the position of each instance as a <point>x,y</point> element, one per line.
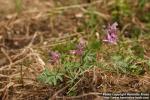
<point>79,49</point>
<point>111,37</point>
<point>55,56</point>
<point>111,31</point>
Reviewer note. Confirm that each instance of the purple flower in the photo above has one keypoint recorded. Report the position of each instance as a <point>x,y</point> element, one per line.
<point>55,56</point>
<point>76,52</point>
<point>79,49</point>
<point>111,31</point>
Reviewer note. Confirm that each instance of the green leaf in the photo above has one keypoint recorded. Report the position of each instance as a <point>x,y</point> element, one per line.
<point>51,77</point>
<point>95,44</point>
<point>138,50</point>
<point>60,78</point>
<point>142,3</point>
<point>18,5</point>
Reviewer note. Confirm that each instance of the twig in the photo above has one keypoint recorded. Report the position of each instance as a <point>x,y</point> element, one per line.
<point>32,40</point>
<point>74,86</point>
<point>104,16</point>
<point>55,44</point>
<point>38,59</point>
<point>78,5</point>
<point>5,91</point>
<point>23,51</point>
<point>63,38</point>
<point>125,27</point>
<point>94,75</point>
<point>21,75</point>
<point>55,95</point>
<point>18,61</point>
<point>3,51</point>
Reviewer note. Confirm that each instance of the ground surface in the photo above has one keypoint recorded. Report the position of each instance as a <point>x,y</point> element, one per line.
<point>30,29</point>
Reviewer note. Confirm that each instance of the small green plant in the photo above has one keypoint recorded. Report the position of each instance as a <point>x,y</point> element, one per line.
<point>145,15</point>
<point>75,70</point>
<point>18,5</point>
<point>82,58</point>
<point>72,72</point>
<point>94,44</point>
<point>70,67</point>
<point>121,9</point>
<point>142,3</point>
<point>126,65</point>
<point>91,22</point>
<point>138,50</point>
<point>51,77</point>
<point>89,58</point>
<point>64,47</point>
<point>148,63</point>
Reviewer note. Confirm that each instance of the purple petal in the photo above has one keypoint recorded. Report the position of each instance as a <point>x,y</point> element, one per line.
<point>73,52</point>
<point>111,31</point>
<point>55,56</point>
